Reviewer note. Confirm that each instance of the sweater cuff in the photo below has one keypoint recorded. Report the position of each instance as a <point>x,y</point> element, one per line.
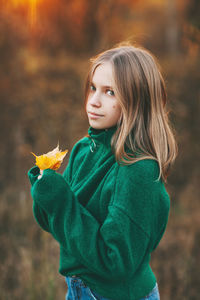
<point>33,174</point>
<point>49,189</point>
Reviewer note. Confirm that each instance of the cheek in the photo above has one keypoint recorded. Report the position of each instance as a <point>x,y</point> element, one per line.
<point>116,107</point>
<point>87,103</point>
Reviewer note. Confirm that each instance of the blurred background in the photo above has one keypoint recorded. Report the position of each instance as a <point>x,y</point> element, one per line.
<point>45,46</point>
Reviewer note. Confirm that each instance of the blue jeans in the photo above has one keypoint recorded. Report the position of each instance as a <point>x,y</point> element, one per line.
<point>77,290</point>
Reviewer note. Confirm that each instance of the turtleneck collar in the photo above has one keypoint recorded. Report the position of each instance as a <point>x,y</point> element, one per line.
<point>101,135</point>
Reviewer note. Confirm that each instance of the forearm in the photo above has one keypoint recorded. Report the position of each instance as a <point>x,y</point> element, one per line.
<point>41,217</point>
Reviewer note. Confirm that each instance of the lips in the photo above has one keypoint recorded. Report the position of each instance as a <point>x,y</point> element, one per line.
<point>94,114</point>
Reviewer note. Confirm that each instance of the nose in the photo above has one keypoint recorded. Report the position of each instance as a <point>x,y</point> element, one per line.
<point>94,100</point>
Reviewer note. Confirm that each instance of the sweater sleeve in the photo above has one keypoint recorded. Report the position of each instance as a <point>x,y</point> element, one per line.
<point>39,214</point>
<point>117,247</point>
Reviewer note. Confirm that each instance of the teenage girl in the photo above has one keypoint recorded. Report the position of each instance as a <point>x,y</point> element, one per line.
<point>109,209</point>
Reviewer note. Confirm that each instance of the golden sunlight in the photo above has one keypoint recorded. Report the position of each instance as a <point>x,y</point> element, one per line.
<point>32,8</point>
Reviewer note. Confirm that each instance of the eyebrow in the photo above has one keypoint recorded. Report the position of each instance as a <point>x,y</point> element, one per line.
<point>104,86</point>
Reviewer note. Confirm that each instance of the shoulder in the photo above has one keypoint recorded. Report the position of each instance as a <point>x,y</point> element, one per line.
<point>77,153</point>
<point>80,145</point>
<point>83,141</point>
<point>80,149</point>
<point>145,170</point>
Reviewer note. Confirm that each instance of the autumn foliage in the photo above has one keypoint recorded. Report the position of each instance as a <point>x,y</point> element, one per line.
<point>45,46</point>
<point>51,160</point>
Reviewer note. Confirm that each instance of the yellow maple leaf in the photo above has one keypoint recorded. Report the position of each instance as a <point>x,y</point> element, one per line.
<point>51,160</point>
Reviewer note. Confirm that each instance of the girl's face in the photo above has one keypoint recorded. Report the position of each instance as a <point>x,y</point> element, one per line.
<point>102,107</point>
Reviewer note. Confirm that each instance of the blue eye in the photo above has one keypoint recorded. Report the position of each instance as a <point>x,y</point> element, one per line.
<point>110,92</point>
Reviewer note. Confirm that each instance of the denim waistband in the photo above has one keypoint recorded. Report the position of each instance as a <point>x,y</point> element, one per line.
<point>75,280</point>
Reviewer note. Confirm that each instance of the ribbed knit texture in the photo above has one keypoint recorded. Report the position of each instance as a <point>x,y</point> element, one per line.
<point>107,217</point>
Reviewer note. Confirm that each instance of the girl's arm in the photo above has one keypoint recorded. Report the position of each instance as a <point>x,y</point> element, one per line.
<point>39,214</point>
<point>117,247</point>
<point>34,174</point>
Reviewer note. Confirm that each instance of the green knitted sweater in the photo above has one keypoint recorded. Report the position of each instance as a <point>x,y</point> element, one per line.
<point>106,217</point>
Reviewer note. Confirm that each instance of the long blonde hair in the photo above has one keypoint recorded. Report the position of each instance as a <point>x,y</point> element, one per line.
<point>143,132</point>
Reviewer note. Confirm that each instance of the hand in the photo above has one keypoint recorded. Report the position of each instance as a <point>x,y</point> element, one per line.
<point>41,173</point>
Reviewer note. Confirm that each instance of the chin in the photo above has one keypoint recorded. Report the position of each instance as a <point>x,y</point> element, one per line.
<point>97,126</point>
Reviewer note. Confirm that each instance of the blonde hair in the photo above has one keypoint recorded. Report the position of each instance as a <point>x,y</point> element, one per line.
<point>143,131</point>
